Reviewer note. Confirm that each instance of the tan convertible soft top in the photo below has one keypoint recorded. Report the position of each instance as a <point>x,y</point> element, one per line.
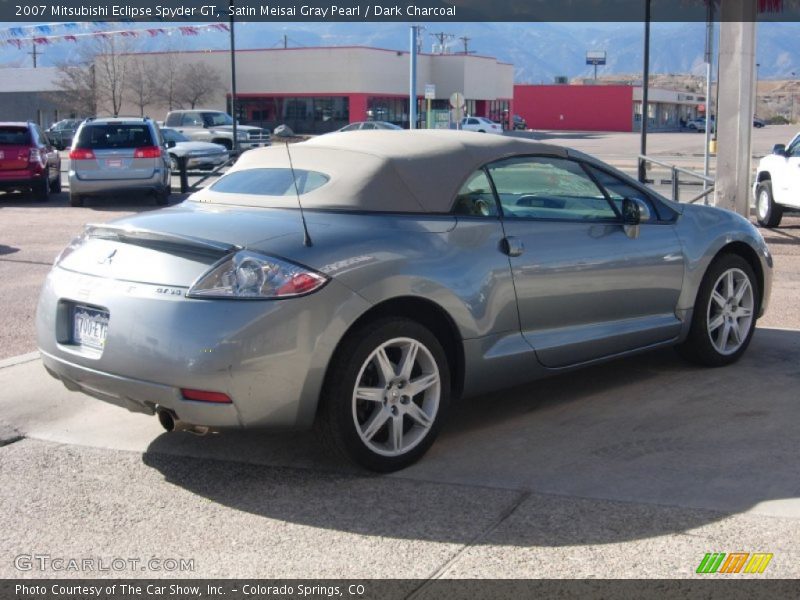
<point>386,171</point>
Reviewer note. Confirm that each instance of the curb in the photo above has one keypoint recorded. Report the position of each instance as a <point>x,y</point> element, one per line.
<point>18,360</point>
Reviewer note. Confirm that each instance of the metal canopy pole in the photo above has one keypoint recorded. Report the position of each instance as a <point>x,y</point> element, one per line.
<point>709,55</point>
<point>645,87</point>
<point>233,82</point>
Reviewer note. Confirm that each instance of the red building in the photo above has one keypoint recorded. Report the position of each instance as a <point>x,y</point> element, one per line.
<point>602,107</point>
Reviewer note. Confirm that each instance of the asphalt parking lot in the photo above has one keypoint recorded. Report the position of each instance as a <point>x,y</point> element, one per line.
<point>636,468</point>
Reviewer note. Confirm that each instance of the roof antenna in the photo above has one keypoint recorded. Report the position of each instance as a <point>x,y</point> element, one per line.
<point>306,236</point>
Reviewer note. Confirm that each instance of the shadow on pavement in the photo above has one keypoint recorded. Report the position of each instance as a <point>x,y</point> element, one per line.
<point>608,453</point>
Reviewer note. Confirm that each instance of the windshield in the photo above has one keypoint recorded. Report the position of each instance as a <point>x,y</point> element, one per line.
<point>270,182</point>
<point>170,135</point>
<point>217,119</point>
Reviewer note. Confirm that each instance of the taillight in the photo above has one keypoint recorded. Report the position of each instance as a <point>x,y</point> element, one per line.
<point>35,156</point>
<point>204,396</point>
<point>81,154</point>
<point>147,152</point>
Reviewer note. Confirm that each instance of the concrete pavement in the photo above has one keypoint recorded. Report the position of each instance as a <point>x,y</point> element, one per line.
<point>576,476</point>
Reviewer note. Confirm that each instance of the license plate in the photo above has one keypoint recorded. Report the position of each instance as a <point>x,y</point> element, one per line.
<point>89,327</point>
<point>114,163</point>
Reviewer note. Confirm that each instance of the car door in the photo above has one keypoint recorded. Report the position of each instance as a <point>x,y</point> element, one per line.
<point>786,175</point>
<point>585,288</point>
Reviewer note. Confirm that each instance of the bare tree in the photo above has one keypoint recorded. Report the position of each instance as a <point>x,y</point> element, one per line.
<point>95,82</point>
<point>167,74</point>
<point>78,88</point>
<point>196,84</point>
<point>142,83</point>
<point>111,64</point>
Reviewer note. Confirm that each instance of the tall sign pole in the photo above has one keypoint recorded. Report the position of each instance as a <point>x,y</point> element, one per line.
<point>233,83</point>
<point>412,80</point>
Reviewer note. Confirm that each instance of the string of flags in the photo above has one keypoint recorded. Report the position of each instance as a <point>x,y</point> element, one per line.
<point>43,35</point>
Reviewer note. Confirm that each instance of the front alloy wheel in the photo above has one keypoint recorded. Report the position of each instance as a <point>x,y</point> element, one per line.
<point>724,314</point>
<point>385,395</point>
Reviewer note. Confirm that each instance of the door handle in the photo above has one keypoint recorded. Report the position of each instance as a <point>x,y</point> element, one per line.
<point>512,246</point>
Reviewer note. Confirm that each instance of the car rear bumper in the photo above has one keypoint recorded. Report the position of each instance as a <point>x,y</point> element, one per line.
<point>18,179</point>
<point>269,357</point>
<point>88,187</point>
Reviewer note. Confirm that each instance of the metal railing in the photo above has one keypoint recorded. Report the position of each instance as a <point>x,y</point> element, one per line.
<point>675,182</point>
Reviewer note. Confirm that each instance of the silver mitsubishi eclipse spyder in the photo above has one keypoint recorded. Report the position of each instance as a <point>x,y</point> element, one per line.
<point>361,282</point>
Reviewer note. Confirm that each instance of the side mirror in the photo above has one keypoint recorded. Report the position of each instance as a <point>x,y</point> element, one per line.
<point>634,212</point>
<point>171,144</point>
<point>779,149</point>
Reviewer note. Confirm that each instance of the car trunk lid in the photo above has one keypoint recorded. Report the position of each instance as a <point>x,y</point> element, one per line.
<point>15,148</point>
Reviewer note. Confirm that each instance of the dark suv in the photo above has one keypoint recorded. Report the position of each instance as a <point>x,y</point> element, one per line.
<point>28,161</point>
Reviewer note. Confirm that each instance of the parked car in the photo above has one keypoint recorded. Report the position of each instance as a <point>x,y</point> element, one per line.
<point>777,185</point>
<point>198,155</point>
<point>428,265</point>
<point>28,161</point>
<point>519,123</point>
<point>699,124</point>
<point>112,155</point>
<point>758,123</point>
<point>62,132</point>
<point>370,125</point>
<point>480,124</point>
<point>216,127</point>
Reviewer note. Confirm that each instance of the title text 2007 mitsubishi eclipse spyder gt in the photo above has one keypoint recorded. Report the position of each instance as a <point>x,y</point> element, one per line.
<point>433,265</point>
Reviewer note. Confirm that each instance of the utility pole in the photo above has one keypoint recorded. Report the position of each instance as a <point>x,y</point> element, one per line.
<point>443,39</point>
<point>35,53</point>
<point>709,56</point>
<point>285,41</point>
<point>465,40</point>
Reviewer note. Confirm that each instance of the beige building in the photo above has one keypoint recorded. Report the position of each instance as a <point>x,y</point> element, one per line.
<point>314,90</point>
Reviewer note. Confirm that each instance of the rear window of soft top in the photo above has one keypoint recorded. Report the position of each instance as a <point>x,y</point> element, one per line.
<point>270,182</point>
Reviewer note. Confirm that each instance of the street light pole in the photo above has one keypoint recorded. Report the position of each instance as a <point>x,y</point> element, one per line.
<point>645,94</point>
<point>412,80</point>
<point>709,57</point>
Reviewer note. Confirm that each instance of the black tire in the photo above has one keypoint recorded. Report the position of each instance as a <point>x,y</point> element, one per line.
<point>55,184</point>
<point>768,214</point>
<point>339,411</point>
<point>41,190</point>
<point>75,199</point>
<point>481,131</point>
<point>173,163</point>
<point>227,143</point>
<point>699,347</point>
<point>161,197</point>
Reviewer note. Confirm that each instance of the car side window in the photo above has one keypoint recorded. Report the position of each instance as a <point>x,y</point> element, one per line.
<point>618,190</point>
<point>192,119</point>
<point>473,122</point>
<point>173,120</point>
<point>548,188</point>
<point>369,126</point>
<point>794,150</point>
<point>476,198</point>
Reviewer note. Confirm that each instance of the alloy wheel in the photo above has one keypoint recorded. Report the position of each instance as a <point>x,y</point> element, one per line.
<point>396,396</point>
<point>730,311</point>
<point>762,206</point>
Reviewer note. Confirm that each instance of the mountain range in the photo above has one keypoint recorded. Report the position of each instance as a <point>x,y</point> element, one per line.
<point>538,51</point>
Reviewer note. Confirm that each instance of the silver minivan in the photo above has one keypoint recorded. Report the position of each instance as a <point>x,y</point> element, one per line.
<point>113,155</point>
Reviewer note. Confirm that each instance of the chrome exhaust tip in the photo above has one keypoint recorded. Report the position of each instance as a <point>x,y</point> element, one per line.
<point>170,422</point>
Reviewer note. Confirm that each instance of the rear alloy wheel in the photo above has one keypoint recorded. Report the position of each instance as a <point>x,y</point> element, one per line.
<point>768,213</point>
<point>386,395</point>
<point>75,199</point>
<point>724,314</point>
<point>162,197</point>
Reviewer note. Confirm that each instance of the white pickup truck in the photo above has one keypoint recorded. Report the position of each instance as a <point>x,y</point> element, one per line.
<point>777,183</point>
<point>216,127</point>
